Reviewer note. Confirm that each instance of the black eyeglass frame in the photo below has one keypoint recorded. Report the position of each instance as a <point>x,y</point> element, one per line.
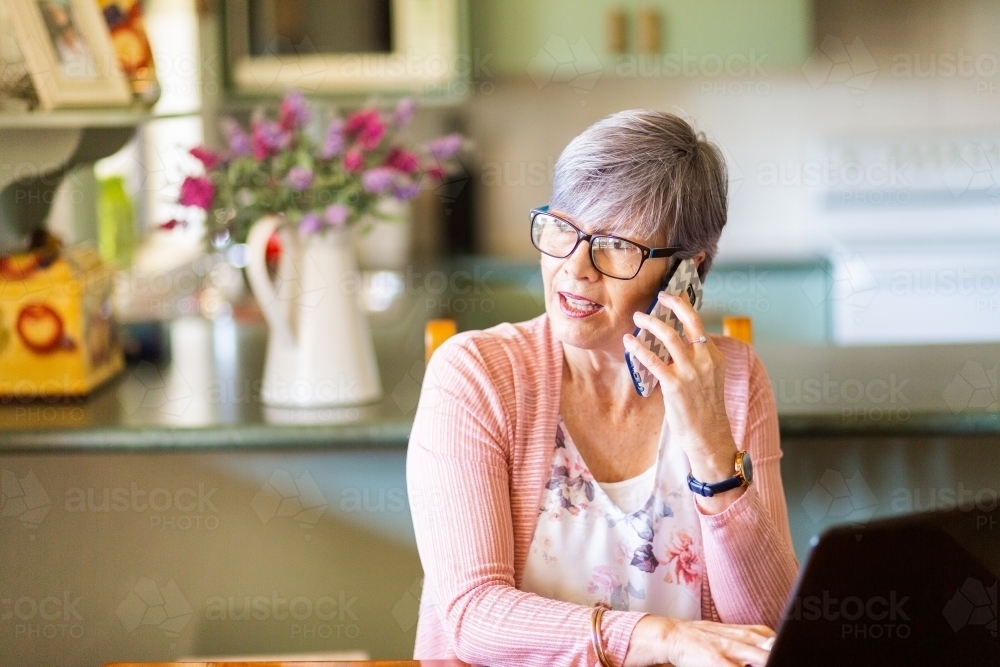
<point>647,252</point>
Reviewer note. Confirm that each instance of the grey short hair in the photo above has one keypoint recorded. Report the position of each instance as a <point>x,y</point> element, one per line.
<point>644,173</point>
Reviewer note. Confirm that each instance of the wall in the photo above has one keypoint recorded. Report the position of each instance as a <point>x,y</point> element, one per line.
<point>774,120</point>
<point>153,556</point>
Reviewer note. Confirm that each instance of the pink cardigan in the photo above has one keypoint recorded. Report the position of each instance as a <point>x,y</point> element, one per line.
<point>476,465</point>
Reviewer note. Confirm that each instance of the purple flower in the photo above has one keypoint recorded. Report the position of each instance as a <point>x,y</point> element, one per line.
<point>310,224</point>
<point>197,192</point>
<point>334,142</point>
<point>335,215</point>
<point>445,147</point>
<point>299,178</point>
<point>268,138</point>
<point>404,112</point>
<point>378,180</point>
<point>239,142</point>
<point>406,191</point>
<point>294,113</point>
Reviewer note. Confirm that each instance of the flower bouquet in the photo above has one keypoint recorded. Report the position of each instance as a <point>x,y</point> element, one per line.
<point>310,191</point>
<point>315,183</point>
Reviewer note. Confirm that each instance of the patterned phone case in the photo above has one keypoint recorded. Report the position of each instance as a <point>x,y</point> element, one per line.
<point>684,280</point>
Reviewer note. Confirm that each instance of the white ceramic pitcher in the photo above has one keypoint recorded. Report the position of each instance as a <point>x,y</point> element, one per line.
<point>319,352</point>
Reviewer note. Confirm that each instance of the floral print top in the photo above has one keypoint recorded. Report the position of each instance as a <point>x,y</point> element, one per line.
<point>587,550</point>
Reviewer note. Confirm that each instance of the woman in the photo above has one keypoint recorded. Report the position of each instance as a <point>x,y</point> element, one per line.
<point>544,488</point>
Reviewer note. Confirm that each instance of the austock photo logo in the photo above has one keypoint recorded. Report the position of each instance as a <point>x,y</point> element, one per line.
<point>974,388</point>
<point>406,395</point>
<point>50,617</point>
<point>873,617</point>
<point>847,279</point>
<point>406,611</point>
<point>147,389</point>
<point>285,496</point>
<point>835,63</point>
<point>973,604</point>
<point>184,508</point>
<point>559,62</point>
<point>23,499</point>
<point>836,498</point>
<point>324,616</point>
<point>164,607</point>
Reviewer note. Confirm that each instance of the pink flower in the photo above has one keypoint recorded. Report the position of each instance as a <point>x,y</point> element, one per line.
<point>404,112</point>
<point>378,180</point>
<point>335,215</point>
<point>602,579</point>
<point>333,144</point>
<point>445,147</point>
<point>359,120</point>
<point>299,178</point>
<point>209,159</point>
<point>172,223</point>
<point>197,191</point>
<point>239,142</point>
<point>402,161</point>
<point>353,161</point>
<point>294,113</point>
<point>268,139</point>
<point>367,128</point>
<point>687,565</point>
<point>406,191</point>
<point>310,224</point>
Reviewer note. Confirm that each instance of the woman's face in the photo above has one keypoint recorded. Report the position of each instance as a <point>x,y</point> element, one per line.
<point>588,309</point>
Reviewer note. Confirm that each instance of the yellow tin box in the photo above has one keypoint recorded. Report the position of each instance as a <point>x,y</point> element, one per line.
<point>58,336</point>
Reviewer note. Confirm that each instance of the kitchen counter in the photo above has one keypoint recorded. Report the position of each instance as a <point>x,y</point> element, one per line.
<point>207,396</point>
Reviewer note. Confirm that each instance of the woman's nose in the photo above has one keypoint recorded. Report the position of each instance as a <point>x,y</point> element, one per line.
<point>579,265</point>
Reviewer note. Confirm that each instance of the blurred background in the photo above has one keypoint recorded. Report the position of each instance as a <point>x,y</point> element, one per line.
<point>863,243</point>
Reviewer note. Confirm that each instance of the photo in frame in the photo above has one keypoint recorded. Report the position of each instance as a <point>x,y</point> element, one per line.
<point>68,53</point>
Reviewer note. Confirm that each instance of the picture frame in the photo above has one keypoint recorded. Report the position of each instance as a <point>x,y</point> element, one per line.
<point>427,56</point>
<point>68,53</point>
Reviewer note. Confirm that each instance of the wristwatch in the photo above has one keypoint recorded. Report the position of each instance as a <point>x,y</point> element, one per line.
<point>743,477</point>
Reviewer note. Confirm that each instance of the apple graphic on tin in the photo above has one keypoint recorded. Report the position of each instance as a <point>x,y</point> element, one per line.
<point>41,329</point>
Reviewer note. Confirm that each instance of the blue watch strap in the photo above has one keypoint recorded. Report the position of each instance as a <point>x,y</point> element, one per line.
<point>709,490</point>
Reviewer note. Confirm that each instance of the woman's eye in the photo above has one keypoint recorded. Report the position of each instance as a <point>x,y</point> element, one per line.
<point>564,228</point>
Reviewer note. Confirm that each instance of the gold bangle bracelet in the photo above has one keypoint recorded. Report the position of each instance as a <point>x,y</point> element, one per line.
<point>596,639</point>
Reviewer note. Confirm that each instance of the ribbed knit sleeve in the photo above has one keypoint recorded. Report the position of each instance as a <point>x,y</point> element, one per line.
<point>748,547</point>
<point>459,472</point>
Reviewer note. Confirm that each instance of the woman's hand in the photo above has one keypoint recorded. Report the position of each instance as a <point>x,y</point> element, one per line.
<point>709,644</point>
<point>693,388</point>
<point>659,640</point>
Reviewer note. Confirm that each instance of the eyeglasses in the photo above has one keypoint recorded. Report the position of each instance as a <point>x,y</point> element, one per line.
<point>613,256</point>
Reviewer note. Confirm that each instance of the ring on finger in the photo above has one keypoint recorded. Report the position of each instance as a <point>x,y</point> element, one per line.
<point>703,339</point>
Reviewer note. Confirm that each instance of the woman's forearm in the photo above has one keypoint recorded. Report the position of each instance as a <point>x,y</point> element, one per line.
<point>750,567</point>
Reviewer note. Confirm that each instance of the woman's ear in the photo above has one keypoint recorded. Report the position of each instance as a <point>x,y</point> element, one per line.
<point>699,258</point>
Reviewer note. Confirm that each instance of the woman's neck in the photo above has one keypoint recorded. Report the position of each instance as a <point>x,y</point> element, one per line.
<point>599,374</point>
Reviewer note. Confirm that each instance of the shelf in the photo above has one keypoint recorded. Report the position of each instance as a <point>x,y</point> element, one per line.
<point>83,118</point>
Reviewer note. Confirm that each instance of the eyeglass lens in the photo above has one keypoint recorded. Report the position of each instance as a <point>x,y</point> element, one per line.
<point>613,256</point>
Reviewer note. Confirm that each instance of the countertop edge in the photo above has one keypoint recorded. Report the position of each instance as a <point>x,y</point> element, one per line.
<point>386,435</point>
<point>395,435</point>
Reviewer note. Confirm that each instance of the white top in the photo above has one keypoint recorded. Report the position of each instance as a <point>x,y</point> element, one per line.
<point>630,494</point>
<point>634,545</point>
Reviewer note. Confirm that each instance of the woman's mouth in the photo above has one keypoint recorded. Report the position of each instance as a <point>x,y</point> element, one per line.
<point>574,305</point>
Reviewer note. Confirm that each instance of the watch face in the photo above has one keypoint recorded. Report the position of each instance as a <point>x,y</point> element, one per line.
<point>747,468</point>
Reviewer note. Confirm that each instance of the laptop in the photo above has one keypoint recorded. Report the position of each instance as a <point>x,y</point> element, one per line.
<point>912,590</point>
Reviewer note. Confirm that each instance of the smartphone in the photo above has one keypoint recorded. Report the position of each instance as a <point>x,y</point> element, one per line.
<point>682,279</point>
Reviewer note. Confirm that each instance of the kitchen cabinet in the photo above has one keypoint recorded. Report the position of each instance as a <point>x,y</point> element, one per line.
<point>507,35</point>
